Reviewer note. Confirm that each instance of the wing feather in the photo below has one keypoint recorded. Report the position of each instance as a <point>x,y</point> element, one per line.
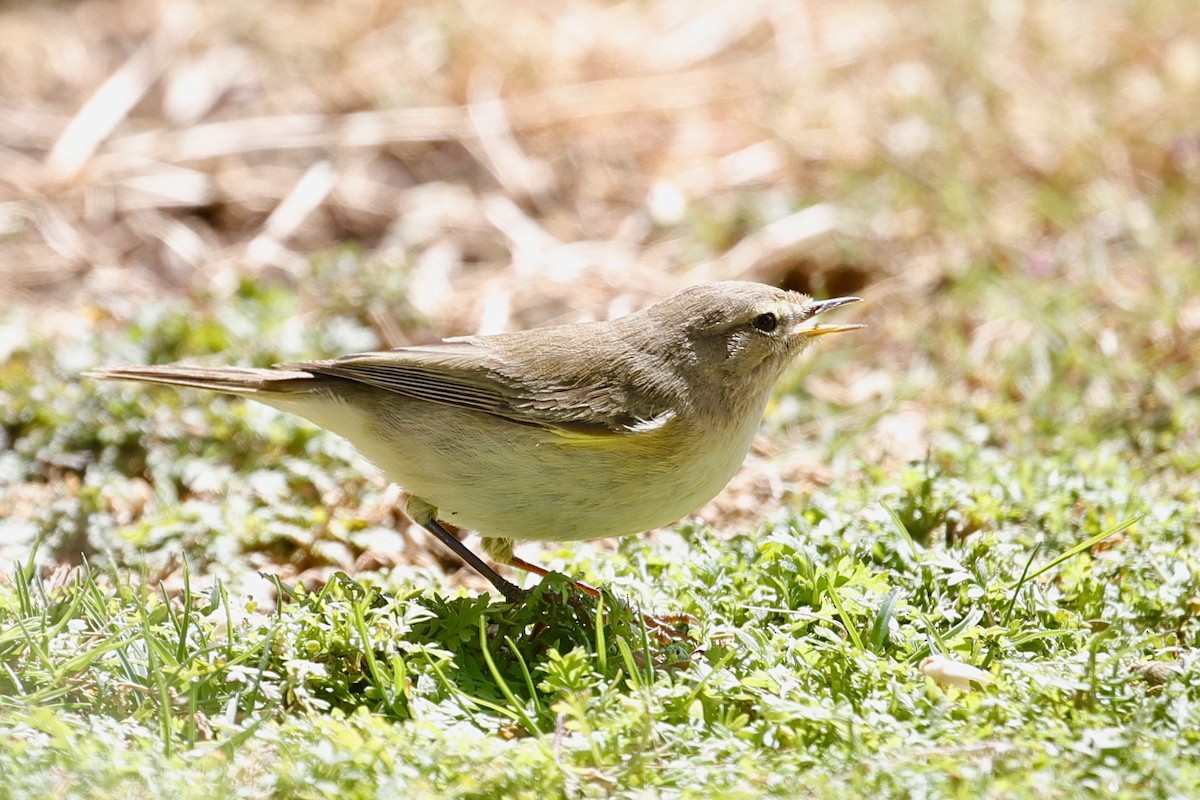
<point>471,374</point>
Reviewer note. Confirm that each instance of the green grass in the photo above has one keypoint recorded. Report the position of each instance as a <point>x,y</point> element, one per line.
<point>1048,539</point>
<point>1001,470</point>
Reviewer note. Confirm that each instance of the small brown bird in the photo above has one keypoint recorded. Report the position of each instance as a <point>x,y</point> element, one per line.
<point>559,433</point>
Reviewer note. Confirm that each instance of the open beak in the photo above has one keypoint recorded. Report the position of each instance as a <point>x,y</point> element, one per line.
<point>820,307</point>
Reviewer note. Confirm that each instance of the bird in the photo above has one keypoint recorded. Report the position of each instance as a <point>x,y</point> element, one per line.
<point>558,433</point>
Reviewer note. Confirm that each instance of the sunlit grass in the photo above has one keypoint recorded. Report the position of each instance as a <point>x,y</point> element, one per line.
<point>1000,470</point>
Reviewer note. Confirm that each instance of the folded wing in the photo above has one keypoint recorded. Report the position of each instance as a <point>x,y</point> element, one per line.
<point>565,397</point>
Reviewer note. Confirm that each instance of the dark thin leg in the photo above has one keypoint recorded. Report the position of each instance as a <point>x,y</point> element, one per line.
<point>662,627</point>
<point>512,593</point>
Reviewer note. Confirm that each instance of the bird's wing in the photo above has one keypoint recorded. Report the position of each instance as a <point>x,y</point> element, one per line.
<point>467,374</point>
<point>448,375</point>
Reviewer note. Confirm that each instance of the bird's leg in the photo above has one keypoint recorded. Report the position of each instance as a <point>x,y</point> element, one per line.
<point>511,592</point>
<point>423,514</point>
<point>501,551</point>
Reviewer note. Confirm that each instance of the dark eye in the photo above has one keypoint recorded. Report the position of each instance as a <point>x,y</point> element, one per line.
<point>765,322</point>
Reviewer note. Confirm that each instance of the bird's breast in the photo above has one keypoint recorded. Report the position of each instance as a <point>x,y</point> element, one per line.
<point>508,480</point>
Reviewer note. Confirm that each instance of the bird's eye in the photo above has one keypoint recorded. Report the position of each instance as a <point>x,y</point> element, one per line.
<point>765,322</point>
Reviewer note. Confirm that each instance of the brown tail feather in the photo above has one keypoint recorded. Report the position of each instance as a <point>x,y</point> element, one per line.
<point>231,380</point>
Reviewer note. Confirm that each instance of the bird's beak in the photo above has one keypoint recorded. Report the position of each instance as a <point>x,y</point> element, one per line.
<point>821,307</point>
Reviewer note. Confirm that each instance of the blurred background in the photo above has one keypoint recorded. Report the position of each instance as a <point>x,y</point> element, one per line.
<point>1013,187</point>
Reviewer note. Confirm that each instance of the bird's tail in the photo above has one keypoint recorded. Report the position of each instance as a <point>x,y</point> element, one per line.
<point>230,380</point>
